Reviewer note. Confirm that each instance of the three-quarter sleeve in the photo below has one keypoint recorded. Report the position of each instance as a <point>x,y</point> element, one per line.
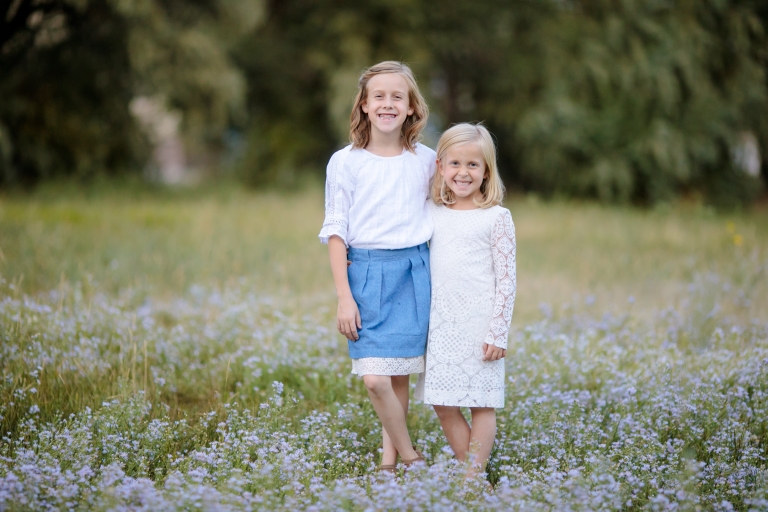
<point>504,266</point>
<point>337,200</point>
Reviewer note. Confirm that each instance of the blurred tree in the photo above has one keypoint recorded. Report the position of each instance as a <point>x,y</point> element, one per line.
<point>70,69</point>
<point>65,85</point>
<point>631,100</point>
<point>302,67</point>
<point>621,100</point>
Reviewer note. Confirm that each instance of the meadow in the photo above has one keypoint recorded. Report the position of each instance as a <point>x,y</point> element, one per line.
<point>177,351</point>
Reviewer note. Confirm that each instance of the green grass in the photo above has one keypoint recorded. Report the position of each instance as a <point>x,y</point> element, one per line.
<point>163,244</point>
<point>568,253</point>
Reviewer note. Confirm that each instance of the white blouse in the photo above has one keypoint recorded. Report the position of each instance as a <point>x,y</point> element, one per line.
<point>375,202</point>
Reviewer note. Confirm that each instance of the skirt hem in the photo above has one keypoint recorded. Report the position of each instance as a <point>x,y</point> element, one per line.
<point>417,348</point>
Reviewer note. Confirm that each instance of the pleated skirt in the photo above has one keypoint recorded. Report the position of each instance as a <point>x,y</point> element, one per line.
<point>392,291</point>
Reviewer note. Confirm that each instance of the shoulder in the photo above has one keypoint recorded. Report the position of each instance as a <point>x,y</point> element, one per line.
<point>500,211</point>
<point>345,161</point>
<point>502,219</point>
<point>425,153</point>
<point>336,162</point>
<point>441,216</point>
<point>341,155</point>
<point>440,213</point>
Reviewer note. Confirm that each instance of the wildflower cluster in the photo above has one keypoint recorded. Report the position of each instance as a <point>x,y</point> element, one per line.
<point>221,400</point>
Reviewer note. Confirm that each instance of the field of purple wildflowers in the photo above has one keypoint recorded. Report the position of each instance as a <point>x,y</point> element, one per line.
<point>178,353</point>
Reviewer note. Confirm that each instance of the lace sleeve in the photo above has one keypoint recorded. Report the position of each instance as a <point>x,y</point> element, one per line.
<point>337,200</point>
<point>504,266</point>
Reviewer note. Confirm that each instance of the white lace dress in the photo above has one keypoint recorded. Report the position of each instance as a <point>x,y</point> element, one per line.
<point>472,261</point>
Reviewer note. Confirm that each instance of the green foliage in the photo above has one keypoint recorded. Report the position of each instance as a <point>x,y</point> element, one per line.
<point>637,100</point>
<point>71,69</point>
<point>302,68</point>
<point>64,105</point>
<point>624,101</point>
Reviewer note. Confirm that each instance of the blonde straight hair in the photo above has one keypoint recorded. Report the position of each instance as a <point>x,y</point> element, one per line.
<point>492,187</point>
<point>360,125</point>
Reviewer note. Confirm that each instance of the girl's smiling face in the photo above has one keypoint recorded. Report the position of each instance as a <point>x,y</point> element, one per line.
<point>387,103</point>
<point>463,169</point>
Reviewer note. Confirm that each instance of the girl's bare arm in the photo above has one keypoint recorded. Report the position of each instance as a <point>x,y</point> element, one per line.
<point>347,313</point>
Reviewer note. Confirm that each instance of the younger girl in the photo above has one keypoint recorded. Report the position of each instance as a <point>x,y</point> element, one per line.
<point>377,214</point>
<point>473,292</point>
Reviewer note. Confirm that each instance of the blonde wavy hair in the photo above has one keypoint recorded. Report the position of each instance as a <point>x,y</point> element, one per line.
<point>492,187</point>
<point>360,125</point>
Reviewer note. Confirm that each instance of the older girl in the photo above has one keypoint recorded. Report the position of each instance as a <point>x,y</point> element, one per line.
<point>376,211</point>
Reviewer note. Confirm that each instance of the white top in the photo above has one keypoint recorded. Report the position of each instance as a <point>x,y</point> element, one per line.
<point>473,266</point>
<point>375,202</point>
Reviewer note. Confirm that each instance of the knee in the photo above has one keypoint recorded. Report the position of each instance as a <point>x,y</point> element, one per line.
<point>377,384</point>
<point>445,412</point>
<point>483,412</point>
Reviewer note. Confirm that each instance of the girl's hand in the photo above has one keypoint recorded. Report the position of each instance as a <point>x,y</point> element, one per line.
<point>348,318</point>
<point>492,352</point>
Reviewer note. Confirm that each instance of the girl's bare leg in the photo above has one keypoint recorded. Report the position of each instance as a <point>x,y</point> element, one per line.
<point>400,387</point>
<point>456,429</point>
<point>482,436</point>
<point>390,411</point>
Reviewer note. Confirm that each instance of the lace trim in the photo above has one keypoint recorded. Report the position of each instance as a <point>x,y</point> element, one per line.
<point>331,228</point>
<point>331,187</point>
<point>387,365</point>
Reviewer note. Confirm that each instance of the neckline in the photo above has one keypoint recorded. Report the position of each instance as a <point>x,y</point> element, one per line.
<point>405,151</point>
<point>472,210</point>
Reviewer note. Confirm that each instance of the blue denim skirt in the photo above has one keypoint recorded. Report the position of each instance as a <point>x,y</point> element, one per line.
<point>392,291</point>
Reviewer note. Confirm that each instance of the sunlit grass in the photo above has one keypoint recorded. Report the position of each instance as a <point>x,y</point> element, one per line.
<point>164,245</point>
<point>569,255</point>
